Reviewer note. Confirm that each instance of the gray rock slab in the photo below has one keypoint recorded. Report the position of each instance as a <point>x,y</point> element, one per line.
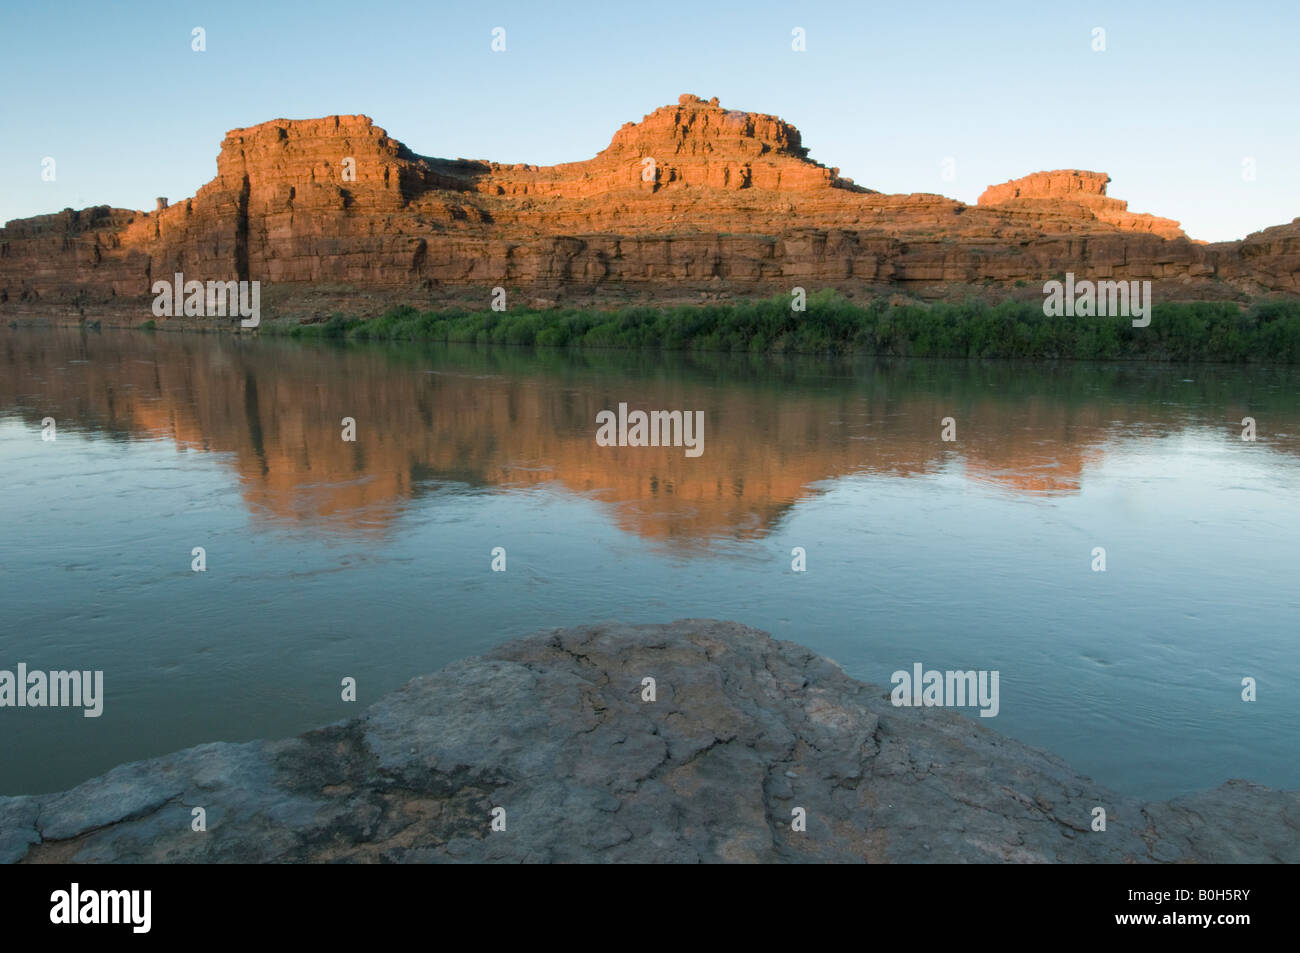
<point>551,736</point>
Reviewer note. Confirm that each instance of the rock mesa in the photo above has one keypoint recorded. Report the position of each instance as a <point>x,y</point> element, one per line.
<point>696,201</point>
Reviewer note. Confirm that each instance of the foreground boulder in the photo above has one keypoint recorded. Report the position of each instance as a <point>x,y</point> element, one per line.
<point>555,730</point>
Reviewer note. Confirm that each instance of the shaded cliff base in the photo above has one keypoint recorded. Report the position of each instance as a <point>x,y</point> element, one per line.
<point>312,303</point>
<point>1266,331</point>
<point>554,729</point>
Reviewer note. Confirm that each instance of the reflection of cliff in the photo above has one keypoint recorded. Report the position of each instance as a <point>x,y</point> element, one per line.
<point>276,409</point>
<point>1043,476</point>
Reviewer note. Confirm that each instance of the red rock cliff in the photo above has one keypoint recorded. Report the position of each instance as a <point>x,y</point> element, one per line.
<point>1052,193</point>
<point>696,200</point>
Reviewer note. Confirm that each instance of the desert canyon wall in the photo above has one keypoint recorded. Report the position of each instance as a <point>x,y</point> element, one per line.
<point>695,202</point>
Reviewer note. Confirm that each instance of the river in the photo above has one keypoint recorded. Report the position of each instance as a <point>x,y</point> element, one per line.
<point>372,559</point>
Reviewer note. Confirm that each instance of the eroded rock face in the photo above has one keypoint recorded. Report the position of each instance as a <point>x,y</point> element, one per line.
<point>554,729</point>
<point>1051,194</point>
<point>1061,184</point>
<point>693,199</point>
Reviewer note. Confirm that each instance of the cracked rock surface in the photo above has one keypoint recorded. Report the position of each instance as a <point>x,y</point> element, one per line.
<point>553,728</point>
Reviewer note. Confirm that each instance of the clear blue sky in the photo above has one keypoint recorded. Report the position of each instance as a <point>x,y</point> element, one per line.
<point>1183,93</point>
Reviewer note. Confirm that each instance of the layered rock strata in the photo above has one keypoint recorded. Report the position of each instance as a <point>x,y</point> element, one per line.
<point>695,201</point>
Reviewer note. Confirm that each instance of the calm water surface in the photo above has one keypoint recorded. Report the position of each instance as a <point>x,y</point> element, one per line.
<point>371,559</point>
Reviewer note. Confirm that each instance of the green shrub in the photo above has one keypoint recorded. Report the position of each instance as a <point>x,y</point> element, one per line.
<point>1268,331</point>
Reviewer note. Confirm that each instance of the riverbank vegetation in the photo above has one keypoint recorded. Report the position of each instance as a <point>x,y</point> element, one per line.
<point>1205,331</point>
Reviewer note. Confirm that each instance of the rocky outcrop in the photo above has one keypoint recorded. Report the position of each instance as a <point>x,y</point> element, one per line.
<point>557,732</point>
<point>1062,184</point>
<point>696,200</point>
<point>1050,194</point>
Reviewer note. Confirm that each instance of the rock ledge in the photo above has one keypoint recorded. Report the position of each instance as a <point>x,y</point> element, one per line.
<point>553,728</point>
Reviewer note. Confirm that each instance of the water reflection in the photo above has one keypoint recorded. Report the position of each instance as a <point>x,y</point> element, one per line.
<point>776,431</point>
<point>371,558</point>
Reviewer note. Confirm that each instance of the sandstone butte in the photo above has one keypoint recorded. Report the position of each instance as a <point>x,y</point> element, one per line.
<point>733,207</point>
